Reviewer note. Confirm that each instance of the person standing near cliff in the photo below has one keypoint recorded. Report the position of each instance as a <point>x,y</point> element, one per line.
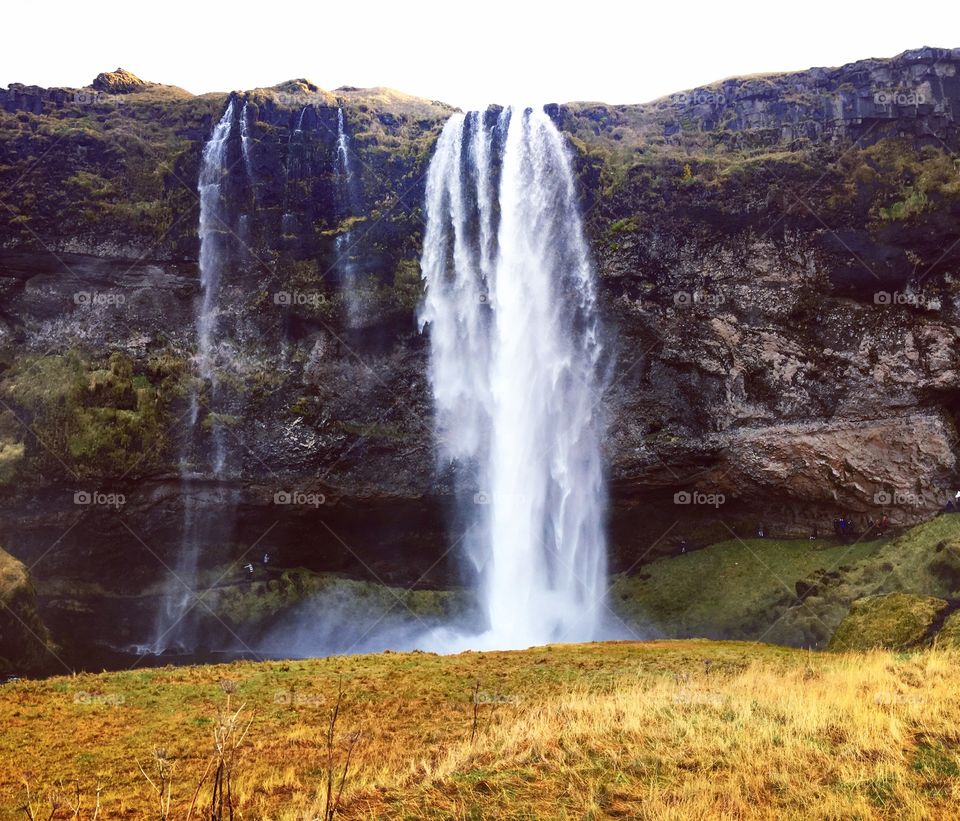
<point>883,525</point>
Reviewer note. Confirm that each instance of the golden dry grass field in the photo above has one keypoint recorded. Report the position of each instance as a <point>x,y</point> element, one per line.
<point>671,729</point>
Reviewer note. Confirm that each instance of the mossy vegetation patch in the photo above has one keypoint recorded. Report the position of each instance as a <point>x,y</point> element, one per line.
<point>793,592</point>
<point>248,603</point>
<point>895,621</point>
<point>83,418</point>
<point>24,640</point>
<point>732,589</point>
<point>949,633</point>
<point>118,166</point>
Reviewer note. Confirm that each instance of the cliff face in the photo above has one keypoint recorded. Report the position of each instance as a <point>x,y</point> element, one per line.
<point>776,255</point>
<point>779,257</point>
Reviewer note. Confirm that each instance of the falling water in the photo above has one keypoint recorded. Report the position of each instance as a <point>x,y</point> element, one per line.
<point>172,629</point>
<point>214,234</point>
<point>343,245</point>
<point>245,142</point>
<point>515,348</point>
<point>343,150</point>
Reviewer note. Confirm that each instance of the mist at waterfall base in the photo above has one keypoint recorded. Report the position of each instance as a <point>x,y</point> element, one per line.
<point>515,369</point>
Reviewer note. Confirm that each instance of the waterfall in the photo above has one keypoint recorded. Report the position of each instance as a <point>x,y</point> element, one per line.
<point>343,245</point>
<point>214,236</point>
<point>245,142</point>
<point>514,339</point>
<point>343,151</point>
<point>172,630</point>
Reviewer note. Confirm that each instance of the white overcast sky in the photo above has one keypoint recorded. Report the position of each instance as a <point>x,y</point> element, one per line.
<point>465,53</point>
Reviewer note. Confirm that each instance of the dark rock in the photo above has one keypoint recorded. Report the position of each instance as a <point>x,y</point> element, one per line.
<point>806,590</point>
<point>946,564</point>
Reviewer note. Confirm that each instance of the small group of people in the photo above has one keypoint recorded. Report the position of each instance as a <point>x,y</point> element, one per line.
<point>251,569</point>
<point>845,527</point>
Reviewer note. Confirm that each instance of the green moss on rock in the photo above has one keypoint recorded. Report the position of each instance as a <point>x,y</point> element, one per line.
<point>737,589</point>
<point>83,418</point>
<point>949,634</point>
<point>254,602</point>
<point>896,621</point>
<point>25,644</point>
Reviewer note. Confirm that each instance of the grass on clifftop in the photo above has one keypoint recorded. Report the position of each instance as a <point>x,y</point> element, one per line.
<point>688,729</point>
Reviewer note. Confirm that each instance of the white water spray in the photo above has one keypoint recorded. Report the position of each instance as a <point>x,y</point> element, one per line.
<point>514,367</point>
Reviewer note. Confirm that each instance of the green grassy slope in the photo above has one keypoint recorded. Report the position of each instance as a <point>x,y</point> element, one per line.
<point>792,592</point>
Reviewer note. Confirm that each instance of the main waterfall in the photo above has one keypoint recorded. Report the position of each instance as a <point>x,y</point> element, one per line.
<point>515,358</point>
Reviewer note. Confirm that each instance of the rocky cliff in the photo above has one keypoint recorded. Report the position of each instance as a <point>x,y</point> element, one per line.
<point>777,258</point>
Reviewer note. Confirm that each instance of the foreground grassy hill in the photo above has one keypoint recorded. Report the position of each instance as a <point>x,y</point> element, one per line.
<point>672,729</point>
